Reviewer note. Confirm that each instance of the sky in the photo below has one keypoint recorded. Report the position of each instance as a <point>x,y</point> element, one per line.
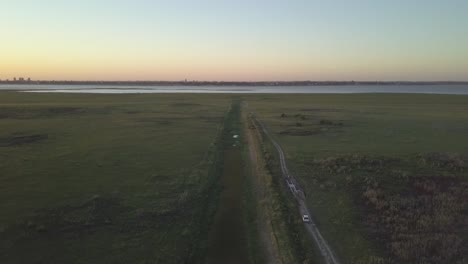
<point>241,40</point>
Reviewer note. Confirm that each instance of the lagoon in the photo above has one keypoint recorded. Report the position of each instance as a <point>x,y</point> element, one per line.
<point>328,89</point>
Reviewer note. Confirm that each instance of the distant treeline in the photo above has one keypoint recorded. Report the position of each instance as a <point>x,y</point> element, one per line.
<point>226,83</point>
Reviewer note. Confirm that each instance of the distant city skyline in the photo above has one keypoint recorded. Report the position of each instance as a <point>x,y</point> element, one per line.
<point>204,40</point>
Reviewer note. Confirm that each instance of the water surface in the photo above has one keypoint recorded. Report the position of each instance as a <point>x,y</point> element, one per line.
<point>334,89</point>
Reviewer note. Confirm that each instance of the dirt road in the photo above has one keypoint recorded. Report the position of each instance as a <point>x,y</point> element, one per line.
<point>262,194</point>
<point>296,191</point>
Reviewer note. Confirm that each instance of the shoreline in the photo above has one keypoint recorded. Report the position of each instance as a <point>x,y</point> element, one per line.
<point>305,89</point>
<point>234,83</point>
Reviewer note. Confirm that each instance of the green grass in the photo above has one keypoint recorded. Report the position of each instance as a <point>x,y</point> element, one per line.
<point>106,178</point>
<point>134,178</point>
<point>339,146</point>
<point>372,123</point>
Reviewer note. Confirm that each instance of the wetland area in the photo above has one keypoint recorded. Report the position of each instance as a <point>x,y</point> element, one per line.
<point>190,177</point>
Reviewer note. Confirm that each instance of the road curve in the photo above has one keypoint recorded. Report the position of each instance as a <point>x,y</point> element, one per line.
<point>322,245</point>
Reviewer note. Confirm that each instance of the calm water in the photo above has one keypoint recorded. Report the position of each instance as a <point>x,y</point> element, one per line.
<point>428,89</point>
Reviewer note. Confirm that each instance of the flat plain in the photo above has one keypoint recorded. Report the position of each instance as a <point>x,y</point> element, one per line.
<point>136,178</point>
<point>384,174</point>
<point>107,178</point>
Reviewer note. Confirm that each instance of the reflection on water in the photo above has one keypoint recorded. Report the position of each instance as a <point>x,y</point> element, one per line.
<point>105,89</point>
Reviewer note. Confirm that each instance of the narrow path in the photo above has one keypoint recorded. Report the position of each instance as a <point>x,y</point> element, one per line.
<point>296,191</point>
<point>261,193</point>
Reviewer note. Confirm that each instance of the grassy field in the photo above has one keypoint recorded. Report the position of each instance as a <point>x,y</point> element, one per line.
<point>136,178</point>
<point>107,178</point>
<point>385,174</point>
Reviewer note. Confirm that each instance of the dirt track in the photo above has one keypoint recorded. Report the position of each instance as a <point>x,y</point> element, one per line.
<point>325,250</point>
<point>262,195</point>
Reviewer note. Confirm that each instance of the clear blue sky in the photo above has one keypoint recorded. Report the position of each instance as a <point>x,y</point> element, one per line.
<point>235,40</point>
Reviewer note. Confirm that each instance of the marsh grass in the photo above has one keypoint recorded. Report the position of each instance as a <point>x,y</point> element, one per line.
<point>107,178</point>
<point>384,174</point>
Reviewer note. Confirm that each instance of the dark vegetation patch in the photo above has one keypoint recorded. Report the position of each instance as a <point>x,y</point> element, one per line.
<point>137,112</point>
<point>308,125</point>
<point>18,140</point>
<point>313,119</point>
<point>185,104</point>
<point>37,112</point>
<point>301,129</point>
<point>64,110</point>
<point>422,225</point>
<point>174,119</point>
<point>327,122</point>
<point>162,120</point>
<point>414,207</point>
<point>337,110</point>
<point>296,116</point>
<point>329,110</point>
<point>300,132</point>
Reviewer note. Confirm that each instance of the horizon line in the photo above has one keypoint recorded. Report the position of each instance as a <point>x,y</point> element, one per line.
<point>26,80</point>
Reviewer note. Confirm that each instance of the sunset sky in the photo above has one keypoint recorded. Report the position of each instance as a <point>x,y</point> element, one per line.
<point>234,40</point>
